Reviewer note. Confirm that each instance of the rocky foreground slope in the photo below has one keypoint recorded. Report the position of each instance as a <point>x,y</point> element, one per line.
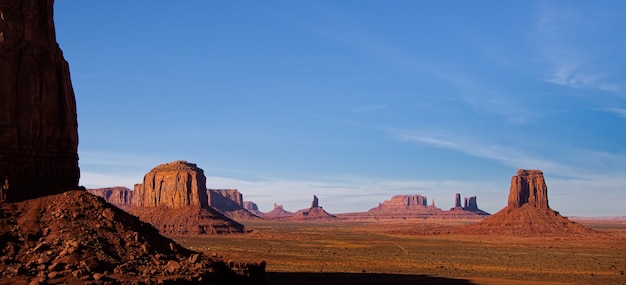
<point>77,238</point>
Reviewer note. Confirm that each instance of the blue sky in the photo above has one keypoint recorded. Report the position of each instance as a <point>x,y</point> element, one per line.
<point>355,101</point>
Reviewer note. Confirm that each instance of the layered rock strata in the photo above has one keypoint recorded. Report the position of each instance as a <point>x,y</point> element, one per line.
<point>402,203</point>
<point>119,196</point>
<point>38,121</point>
<point>528,187</point>
<point>177,184</point>
<point>173,198</point>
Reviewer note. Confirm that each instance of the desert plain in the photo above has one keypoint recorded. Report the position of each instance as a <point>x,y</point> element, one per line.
<point>411,251</point>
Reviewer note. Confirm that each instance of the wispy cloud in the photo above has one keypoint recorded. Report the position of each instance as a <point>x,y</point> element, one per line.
<point>570,55</point>
<point>620,112</point>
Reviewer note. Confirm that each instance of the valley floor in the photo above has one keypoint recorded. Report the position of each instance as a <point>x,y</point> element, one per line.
<point>382,252</point>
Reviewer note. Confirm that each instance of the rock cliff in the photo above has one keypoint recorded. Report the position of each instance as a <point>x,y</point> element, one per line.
<point>230,202</point>
<point>173,198</point>
<point>528,187</point>
<point>118,196</point>
<point>402,203</point>
<point>177,184</point>
<point>38,121</point>
<point>225,199</point>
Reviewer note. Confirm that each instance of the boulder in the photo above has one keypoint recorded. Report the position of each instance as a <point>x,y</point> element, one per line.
<point>38,121</point>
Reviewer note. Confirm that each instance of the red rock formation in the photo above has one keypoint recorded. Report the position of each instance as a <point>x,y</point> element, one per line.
<point>528,186</point>
<point>173,198</point>
<point>469,205</point>
<point>314,213</point>
<point>402,203</point>
<point>177,184</point>
<point>74,236</point>
<point>252,208</point>
<point>118,196</point>
<point>38,122</point>
<point>225,199</point>
<point>277,213</point>
<point>527,212</point>
<point>230,202</point>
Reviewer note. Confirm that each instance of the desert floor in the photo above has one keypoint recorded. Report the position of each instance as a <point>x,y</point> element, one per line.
<point>382,252</point>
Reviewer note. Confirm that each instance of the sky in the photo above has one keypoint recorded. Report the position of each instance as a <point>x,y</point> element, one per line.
<point>355,101</point>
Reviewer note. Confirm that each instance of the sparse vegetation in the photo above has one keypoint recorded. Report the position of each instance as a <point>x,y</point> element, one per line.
<point>358,247</point>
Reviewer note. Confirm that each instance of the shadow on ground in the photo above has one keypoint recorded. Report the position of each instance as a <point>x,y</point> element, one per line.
<point>280,278</point>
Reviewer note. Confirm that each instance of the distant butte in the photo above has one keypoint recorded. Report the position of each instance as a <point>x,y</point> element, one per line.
<point>527,212</point>
<point>315,212</point>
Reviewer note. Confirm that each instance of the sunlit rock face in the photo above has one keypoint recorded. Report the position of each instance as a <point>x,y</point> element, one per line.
<point>177,184</point>
<point>38,121</point>
<point>528,187</point>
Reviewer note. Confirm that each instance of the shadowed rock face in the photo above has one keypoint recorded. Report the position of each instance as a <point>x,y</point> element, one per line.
<point>528,187</point>
<point>177,184</point>
<point>38,122</point>
<point>119,196</point>
<point>225,199</point>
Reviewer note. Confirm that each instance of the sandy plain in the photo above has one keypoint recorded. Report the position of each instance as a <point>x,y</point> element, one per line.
<point>389,252</point>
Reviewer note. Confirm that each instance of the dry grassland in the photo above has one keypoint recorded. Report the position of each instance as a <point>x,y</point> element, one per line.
<point>374,253</point>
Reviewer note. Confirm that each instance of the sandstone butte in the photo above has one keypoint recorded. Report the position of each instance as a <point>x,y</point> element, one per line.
<point>119,196</point>
<point>527,212</point>
<point>401,203</point>
<point>230,202</point>
<point>252,208</point>
<point>173,198</point>
<point>277,213</point>
<point>49,233</point>
<point>315,212</point>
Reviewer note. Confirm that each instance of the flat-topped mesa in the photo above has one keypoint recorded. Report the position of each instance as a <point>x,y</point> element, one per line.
<point>38,121</point>
<point>177,184</point>
<point>225,199</point>
<point>118,196</point>
<point>402,203</point>
<point>528,187</point>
